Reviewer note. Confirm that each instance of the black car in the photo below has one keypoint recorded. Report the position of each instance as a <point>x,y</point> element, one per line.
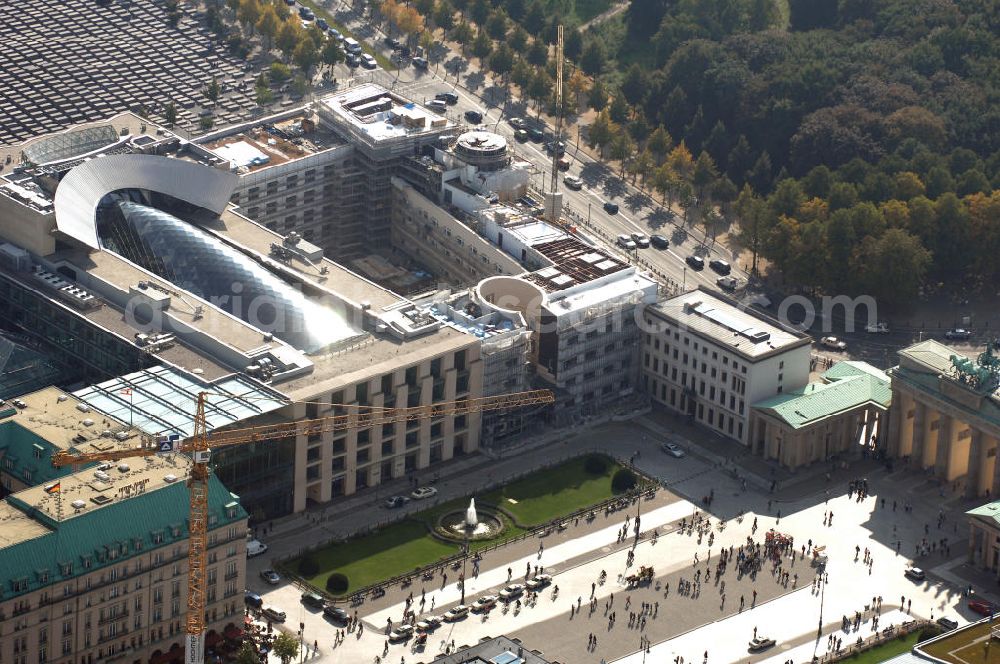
<point>323,25</point>
<point>535,134</point>
<point>659,241</point>
<point>447,97</point>
<point>611,208</point>
<point>947,623</point>
<point>420,63</point>
<point>352,60</point>
<point>696,262</point>
<point>404,51</point>
<point>335,613</point>
<point>958,334</point>
<point>475,117</point>
<point>392,42</point>
<point>559,148</point>
<point>306,14</point>
<point>720,266</point>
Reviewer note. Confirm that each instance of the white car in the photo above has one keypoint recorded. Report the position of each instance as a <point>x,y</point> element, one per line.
<point>484,604</point>
<point>673,450</point>
<point>573,182</point>
<point>255,548</point>
<point>401,633</point>
<point>626,243</point>
<point>429,623</point>
<point>368,61</point>
<point>539,581</point>
<point>424,492</point>
<point>833,343</point>
<point>456,613</point>
<point>511,592</point>
<point>728,283</point>
<point>274,614</point>
<point>877,328</point>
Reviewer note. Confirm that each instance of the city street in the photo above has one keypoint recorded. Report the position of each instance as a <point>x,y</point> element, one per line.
<point>687,625</point>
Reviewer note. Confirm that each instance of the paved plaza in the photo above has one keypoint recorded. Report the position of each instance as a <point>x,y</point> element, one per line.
<point>669,624</point>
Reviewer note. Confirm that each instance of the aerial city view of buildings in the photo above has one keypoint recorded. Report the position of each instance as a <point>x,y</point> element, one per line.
<point>370,332</point>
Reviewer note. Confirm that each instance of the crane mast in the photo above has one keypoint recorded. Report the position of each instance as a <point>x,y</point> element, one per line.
<point>200,446</point>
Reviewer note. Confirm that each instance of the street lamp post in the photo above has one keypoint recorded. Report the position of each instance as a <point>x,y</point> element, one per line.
<point>684,285</point>
<point>822,599</point>
<point>465,558</point>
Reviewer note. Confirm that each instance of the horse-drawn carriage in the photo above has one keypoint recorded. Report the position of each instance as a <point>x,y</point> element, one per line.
<point>644,576</point>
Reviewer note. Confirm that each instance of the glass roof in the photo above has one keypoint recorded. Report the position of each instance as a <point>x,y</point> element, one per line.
<point>201,264</point>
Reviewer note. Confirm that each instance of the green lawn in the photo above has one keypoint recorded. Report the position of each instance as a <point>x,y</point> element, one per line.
<point>886,651</point>
<point>381,555</point>
<point>551,493</point>
<point>404,546</point>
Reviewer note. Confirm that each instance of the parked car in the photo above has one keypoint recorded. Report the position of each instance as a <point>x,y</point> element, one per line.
<point>270,576</point>
<point>611,208</point>
<point>429,623</point>
<point>761,643</point>
<point>877,328</point>
<point>368,61</point>
<point>982,607</point>
<point>484,604</point>
<point>393,502</point>
<point>914,574</point>
<point>536,135</point>
<point>274,614</point>
<point>313,599</point>
<point>322,24</point>
<point>253,599</point>
<point>255,548</point>
<point>424,492</point>
<point>517,123</point>
<point>673,449</point>
<point>392,42</point>
<point>521,136</point>
<point>727,283</point>
<point>564,163</point>
<point>948,623</point>
<point>447,97</point>
<point>456,613</point>
<point>659,241</point>
<point>696,262</point>
<point>352,45</point>
<point>573,182</point>
<point>958,334</point>
<point>352,60</point>
<point>335,33</point>
<point>720,266</point>
<point>474,117</point>
<point>539,581</point>
<point>511,592</point>
<point>436,105</point>
<point>640,240</point>
<point>400,633</point>
<point>420,63</point>
<point>833,343</point>
<point>306,14</point>
<point>557,147</point>
<point>336,614</point>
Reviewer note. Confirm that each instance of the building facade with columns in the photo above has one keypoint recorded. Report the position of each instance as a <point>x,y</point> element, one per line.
<point>836,416</point>
<point>946,416</point>
<point>984,537</point>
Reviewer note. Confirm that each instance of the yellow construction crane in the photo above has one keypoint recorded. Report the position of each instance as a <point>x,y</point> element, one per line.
<point>200,444</point>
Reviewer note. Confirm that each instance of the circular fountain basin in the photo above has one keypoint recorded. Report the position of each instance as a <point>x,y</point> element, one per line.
<point>454,525</point>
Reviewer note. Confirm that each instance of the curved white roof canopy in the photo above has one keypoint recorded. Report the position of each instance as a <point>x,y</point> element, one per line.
<point>83,187</point>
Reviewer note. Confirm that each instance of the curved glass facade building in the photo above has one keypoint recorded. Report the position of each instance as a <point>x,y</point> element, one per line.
<point>196,262</point>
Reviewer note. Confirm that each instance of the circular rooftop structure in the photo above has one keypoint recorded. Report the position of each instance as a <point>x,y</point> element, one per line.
<point>484,149</point>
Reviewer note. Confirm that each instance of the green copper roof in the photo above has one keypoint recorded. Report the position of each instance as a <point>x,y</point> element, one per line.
<point>27,456</point>
<point>842,388</point>
<point>63,552</point>
<point>989,510</point>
